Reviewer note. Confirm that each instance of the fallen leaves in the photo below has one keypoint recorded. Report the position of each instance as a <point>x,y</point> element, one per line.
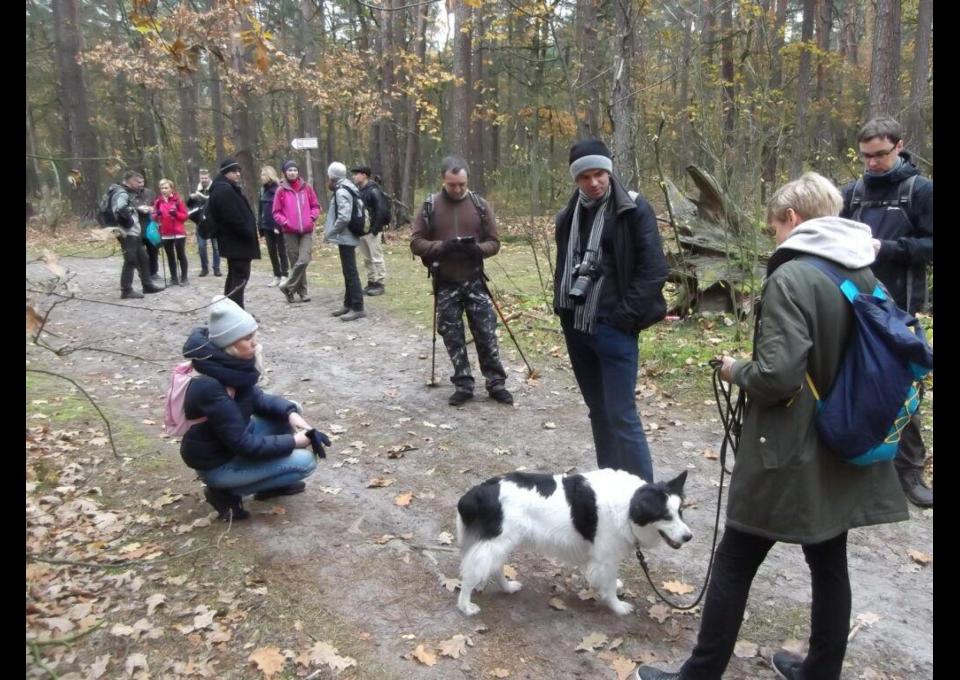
<point>659,612</point>
<point>404,499</point>
<point>677,587</point>
<point>745,649</point>
<point>591,642</point>
<point>379,483</point>
<point>268,660</point>
<point>398,450</point>
<point>558,604</point>
<point>920,558</point>
<point>324,653</point>
<point>455,646</point>
<point>424,655</point>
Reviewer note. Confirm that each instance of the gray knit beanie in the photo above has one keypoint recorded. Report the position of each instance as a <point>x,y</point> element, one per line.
<point>337,170</point>
<point>229,322</point>
<point>589,154</point>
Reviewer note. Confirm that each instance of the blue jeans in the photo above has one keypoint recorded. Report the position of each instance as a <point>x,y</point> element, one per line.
<point>245,476</point>
<point>605,365</point>
<point>202,249</point>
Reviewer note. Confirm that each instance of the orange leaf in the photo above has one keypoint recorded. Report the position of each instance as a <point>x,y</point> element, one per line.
<point>268,659</point>
<point>403,500</point>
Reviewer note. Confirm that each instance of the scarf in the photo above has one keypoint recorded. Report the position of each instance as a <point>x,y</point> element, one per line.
<point>584,315</point>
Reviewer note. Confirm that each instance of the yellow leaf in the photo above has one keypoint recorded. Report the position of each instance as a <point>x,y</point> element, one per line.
<point>558,604</point>
<point>379,482</point>
<point>500,673</point>
<point>403,500</point>
<point>677,587</point>
<point>34,320</point>
<point>591,642</point>
<point>621,665</point>
<point>268,659</point>
<point>920,558</point>
<point>425,656</point>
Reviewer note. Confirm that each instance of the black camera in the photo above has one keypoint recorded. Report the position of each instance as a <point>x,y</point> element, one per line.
<point>584,275</point>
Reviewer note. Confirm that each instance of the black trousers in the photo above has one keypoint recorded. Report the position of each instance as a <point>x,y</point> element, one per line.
<point>353,291</point>
<point>134,260</point>
<point>912,452</point>
<point>278,253</point>
<point>739,555</point>
<point>238,273</point>
<point>180,244</point>
<point>153,255</point>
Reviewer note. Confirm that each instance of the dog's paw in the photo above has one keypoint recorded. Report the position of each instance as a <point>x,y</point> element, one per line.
<point>469,608</point>
<point>620,607</point>
<point>512,586</point>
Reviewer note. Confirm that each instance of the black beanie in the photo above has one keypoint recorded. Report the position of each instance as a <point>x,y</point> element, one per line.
<point>589,154</point>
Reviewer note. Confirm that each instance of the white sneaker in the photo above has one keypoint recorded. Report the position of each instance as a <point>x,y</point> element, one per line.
<point>282,281</point>
<point>274,283</point>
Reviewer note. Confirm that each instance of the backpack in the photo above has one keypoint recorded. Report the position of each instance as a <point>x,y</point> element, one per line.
<point>175,421</point>
<point>428,216</point>
<point>876,391</point>
<point>105,215</point>
<point>358,215</point>
<point>903,201</point>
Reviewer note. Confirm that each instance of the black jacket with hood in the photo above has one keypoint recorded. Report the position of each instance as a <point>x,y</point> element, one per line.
<point>232,221</point>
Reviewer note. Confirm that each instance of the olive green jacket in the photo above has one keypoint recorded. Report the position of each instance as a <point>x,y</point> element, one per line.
<point>786,485</point>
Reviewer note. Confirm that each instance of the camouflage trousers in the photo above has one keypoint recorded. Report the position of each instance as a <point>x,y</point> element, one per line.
<point>453,299</point>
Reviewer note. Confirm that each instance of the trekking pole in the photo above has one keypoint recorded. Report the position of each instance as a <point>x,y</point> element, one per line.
<point>531,372</point>
<point>433,274</point>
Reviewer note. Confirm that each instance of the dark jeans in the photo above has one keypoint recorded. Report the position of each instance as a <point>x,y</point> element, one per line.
<point>202,249</point>
<point>153,255</point>
<point>739,555</point>
<point>278,253</point>
<point>134,260</point>
<point>238,273</point>
<point>605,365</point>
<point>911,453</point>
<point>181,247</point>
<point>353,291</point>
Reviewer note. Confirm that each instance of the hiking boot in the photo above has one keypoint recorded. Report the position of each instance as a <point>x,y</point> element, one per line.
<point>204,272</point>
<point>289,294</point>
<point>651,673</point>
<point>304,297</point>
<point>353,314</point>
<point>183,280</point>
<point>174,281</point>
<point>502,396</point>
<point>130,295</point>
<point>226,504</point>
<point>459,398</point>
<point>152,288</point>
<point>918,493</point>
<point>296,487</point>
<point>787,665</point>
<point>216,272</point>
<point>340,312</point>
<point>375,289</point>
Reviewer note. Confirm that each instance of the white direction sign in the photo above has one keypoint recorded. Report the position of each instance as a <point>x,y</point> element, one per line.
<point>305,143</point>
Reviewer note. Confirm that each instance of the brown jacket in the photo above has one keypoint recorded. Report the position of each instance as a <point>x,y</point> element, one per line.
<point>452,219</point>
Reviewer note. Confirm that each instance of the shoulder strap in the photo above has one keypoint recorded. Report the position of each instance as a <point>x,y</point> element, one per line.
<point>856,199</point>
<point>905,197</point>
<point>478,204</point>
<point>428,212</point>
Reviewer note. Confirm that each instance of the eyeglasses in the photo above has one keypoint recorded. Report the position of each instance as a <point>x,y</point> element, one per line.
<point>877,155</point>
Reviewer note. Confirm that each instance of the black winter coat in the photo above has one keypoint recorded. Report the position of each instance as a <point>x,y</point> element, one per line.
<point>225,433</point>
<point>641,266</point>
<point>376,204</point>
<point>233,223</point>
<point>906,235</point>
<point>265,214</point>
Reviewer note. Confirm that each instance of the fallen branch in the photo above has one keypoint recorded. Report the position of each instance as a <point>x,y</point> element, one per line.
<point>70,638</point>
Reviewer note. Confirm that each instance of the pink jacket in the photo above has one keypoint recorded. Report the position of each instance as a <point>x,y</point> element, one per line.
<point>170,214</point>
<point>296,210</point>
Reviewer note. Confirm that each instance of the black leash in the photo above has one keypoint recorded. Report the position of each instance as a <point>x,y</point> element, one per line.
<point>732,419</point>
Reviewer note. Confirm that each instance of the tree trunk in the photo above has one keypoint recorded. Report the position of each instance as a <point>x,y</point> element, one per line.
<point>411,158</point>
<point>885,67</point>
<point>216,113</point>
<point>190,145</point>
<point>388,127</point>
<point>625,48</point>
<point>586,36</point>
<point>150,142</point>
<point>915,130</point>
<point>803,87</point>
<point>478,124</point>
<point>462,50</point>
<point>309,120</point>
<point>772,149</point>
<point>729,92</point>
<point>73,92</point>
<point>824,27</point>
<point>849,42</point>
<point>244,133</point>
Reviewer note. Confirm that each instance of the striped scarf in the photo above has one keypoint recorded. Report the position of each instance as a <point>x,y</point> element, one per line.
<point>585,315</point>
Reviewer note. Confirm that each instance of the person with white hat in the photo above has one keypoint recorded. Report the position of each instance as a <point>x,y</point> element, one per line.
<point>244,441</point>
<point>337,230</point>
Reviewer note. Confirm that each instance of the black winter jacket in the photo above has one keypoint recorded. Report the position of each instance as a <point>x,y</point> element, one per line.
<point>641,266</point>
<point>265,213</point>
<point>225,433</point>
<point>907,239</point>
<point>233,223</point>
<point>376,204</point>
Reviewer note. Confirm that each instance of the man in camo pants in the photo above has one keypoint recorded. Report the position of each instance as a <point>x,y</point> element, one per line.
<point>454,230</point>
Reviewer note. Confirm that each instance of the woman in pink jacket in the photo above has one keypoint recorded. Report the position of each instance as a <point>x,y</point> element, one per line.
<point>295,210</point>
<point>170,213</point>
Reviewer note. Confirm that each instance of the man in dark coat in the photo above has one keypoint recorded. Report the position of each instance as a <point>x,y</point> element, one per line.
<point>608,286</point>
<point>897,203</point>
<point>235,227</point>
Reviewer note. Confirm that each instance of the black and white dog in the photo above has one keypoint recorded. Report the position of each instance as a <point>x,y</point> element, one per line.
<point>593,520</point>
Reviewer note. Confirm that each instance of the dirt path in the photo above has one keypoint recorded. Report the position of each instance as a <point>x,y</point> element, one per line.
<point>366,381</point>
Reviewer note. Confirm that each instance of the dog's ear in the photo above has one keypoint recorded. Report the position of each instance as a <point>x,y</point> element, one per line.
<point>647,505</point>
<point>675,485</point>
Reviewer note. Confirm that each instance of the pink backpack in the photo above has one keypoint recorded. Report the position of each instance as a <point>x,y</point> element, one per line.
<point>175,421</point>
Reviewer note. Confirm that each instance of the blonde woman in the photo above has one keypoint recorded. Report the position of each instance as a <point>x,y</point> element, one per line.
<point>170,214</point>
<point>269,228</point>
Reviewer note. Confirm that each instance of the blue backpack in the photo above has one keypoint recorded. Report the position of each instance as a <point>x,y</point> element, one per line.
<point>876,390</point>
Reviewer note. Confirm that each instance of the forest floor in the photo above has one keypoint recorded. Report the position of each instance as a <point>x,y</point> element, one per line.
<point>129,575</point>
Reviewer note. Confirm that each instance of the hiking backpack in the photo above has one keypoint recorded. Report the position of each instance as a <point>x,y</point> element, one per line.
<point>903,201</point>
<point>877,389</point>
<point>175,421</point>
<point>105,215</point>
<point>358,214</point>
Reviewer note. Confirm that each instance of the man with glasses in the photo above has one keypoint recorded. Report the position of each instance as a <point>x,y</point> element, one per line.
<point>234,225</point>
<point>897,203</point>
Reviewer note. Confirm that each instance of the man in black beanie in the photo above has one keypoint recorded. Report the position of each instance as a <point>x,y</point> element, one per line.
<point>608,287</point>
<point>234,225</point>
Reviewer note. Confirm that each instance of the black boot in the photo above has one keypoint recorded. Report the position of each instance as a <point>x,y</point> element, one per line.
<point>130,294</point>
<point>226,504</point>
<point>204,272</point>
<point>918,493</point>
<point>289,490</point>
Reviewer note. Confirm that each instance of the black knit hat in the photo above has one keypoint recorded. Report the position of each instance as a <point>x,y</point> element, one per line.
<point>365,169</point>
<point>589,154</point>
<point>227,165</point>
<point>289,164</point>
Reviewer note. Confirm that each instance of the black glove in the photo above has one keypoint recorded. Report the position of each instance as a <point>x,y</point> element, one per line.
<point>317,441</point>
<point>451,245</point>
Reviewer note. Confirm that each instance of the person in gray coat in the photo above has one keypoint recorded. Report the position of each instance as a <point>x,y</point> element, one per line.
<point>337,230</point>
<point>786,486</point>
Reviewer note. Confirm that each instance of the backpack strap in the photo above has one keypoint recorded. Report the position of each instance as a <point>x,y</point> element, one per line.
<point>856,199</point>
<point>904,199</point>
<point>428,212</point>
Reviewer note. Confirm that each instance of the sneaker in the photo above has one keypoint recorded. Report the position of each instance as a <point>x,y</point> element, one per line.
<point>502,396</point>
<point>787,665</point>
<point>651,673</point>
<point>340,312</point>
<point>459,398</point>
<point>226,504</point>
<point>283,281</point>
<point>152,288</point>
<point>216,272</point>
<point>274,283</point>
<point>353,314</point>
<point>204,272</point>
<point>295,488</point>
<point>918,493</point>
<point>130,295</point>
